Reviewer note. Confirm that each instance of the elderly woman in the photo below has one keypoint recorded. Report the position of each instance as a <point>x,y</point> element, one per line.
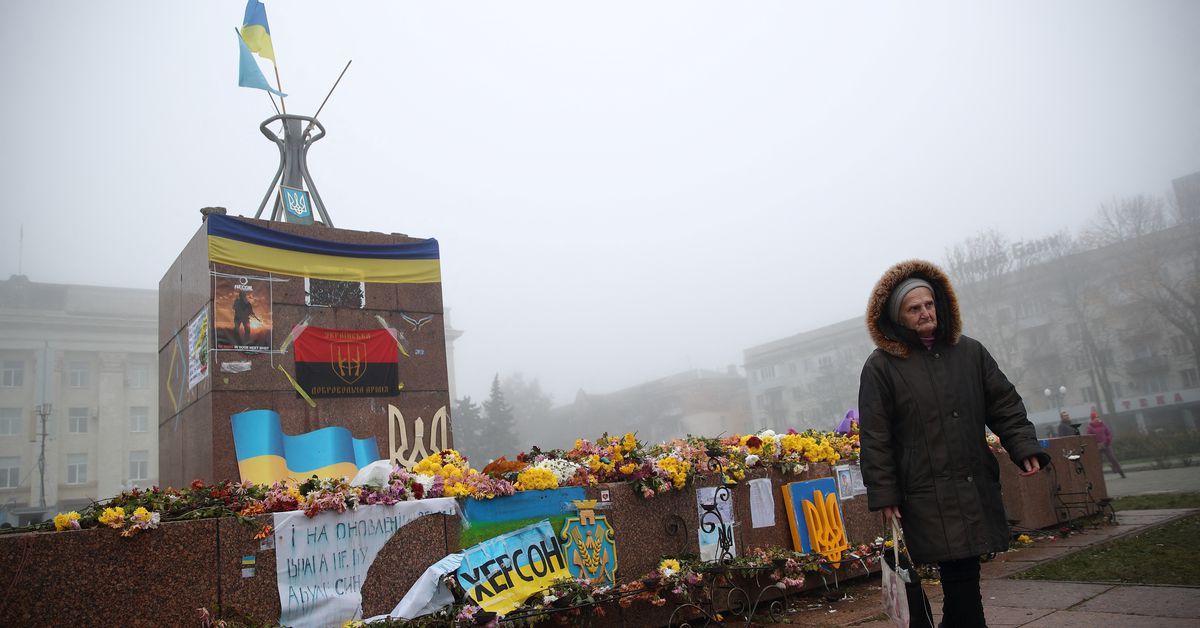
<point>926,394</point>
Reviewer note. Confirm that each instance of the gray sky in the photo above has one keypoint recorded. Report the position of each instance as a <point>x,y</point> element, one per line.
<point>622,190</point>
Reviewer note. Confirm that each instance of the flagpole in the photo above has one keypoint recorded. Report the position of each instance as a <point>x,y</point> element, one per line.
<point>278,86</point>
<point>335,84</point>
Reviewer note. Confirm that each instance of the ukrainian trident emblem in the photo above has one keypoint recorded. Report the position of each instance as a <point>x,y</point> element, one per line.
<point>590,545</point>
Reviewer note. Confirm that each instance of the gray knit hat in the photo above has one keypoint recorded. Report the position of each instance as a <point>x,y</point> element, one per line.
<point>906,286</point>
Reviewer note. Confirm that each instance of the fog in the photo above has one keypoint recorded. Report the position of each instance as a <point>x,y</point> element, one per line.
<point>621,190</point>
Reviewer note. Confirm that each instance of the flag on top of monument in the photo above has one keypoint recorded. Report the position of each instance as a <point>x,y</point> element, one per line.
<point>249,74</point>
<point>256,32</point>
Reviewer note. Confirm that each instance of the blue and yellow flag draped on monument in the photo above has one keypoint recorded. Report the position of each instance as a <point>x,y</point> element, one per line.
<point>266,455</point>
<point>239,243</point>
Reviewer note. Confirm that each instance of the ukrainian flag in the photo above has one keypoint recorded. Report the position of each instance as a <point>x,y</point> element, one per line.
<point>239,243</point>
<point>256,31</point>
<point>266,455</point>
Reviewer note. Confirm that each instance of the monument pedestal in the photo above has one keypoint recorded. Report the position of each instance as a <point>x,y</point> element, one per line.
<point>202,385</point>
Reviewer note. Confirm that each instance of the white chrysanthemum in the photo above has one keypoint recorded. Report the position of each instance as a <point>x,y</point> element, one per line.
<point>751,460</point>
<point>563,470</point>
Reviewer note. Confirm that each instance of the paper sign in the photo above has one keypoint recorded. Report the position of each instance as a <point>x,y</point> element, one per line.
<point>762,503</point>
<point>322,562</point>
<point>500,573</point>
<point>856,480</point>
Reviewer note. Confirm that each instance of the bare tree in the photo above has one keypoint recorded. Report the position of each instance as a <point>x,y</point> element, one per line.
<point>976,267</point>
<point>1124,219</point>
<point>1169,284</point>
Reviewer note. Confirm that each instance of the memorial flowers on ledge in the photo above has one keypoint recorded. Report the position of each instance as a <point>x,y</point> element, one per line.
<point>536,479</point>
<point>66,521</point>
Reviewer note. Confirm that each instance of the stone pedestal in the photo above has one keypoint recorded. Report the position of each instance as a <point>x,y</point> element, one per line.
<point>195,434</point>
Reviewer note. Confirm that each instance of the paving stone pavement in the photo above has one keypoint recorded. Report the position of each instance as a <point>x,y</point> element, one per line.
<point>1029,603</point>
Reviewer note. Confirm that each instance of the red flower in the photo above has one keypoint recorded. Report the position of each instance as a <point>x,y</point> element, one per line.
<point>197,484</point>
<point>753,442</point>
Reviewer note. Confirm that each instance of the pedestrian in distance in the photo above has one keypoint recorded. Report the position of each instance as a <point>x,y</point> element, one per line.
<point>1103,435</point>
<point>926,394</point>
<point>1065,426</point>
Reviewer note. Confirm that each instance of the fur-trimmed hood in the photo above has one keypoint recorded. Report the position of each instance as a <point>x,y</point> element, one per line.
<point>897,340</point>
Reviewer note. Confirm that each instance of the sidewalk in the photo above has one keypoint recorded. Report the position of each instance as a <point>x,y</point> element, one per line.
<point>1036,603</point>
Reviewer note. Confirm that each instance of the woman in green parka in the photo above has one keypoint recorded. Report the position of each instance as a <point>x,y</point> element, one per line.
<point>926,394</point>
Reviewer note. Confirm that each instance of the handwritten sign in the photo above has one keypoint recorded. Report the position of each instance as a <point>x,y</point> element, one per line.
<point>500,573</point>
<point>322,562</point>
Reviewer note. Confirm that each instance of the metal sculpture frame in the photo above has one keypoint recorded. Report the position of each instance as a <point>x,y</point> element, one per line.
<point>293,161</point>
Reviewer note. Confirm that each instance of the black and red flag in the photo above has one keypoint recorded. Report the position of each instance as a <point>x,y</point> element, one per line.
<point>347,362</point>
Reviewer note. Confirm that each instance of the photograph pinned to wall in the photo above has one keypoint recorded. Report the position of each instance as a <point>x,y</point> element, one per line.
<point>856,480</point>
<point>845,483</point>
<point>333,293</point>
<point>242,313</point>
<point>198,349</point>
<point>710,542</point>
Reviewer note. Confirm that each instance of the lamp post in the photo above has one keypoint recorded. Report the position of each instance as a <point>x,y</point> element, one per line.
<point>43,410</point>
<point>1058,396</point>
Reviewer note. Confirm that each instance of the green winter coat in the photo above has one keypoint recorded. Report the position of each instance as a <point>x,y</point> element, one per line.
<point>923,414</point>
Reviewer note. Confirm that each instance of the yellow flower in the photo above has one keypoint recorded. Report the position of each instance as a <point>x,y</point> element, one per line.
<point>630,443</point>
<point>458,489</point>
<point>62,521</point>
<point>113,517</point>
<point>889,543</point>
<point>536,478</point>
<point>1024,539</point>
<point>628,468</point>
<point>669,567</point>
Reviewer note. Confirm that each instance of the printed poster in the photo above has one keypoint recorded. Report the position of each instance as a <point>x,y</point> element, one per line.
<point>197,349</point>
<point>242,313</point>
<point>321,562</point>
<point>710,545</point>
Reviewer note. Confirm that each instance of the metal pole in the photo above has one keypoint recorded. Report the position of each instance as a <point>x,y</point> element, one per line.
<point>43,411</point>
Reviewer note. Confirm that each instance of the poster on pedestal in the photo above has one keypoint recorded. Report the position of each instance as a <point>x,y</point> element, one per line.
<point>242,313</point>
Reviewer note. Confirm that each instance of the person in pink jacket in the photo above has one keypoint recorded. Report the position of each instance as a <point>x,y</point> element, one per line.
<point>1103,435</point>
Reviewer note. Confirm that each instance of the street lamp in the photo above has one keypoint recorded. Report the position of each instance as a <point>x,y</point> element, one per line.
<point>1057,395</point>
<point>43,410</point>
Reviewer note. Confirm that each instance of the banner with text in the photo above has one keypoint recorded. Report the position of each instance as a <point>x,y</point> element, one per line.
<point>322,562</point>
<point>500,573</point>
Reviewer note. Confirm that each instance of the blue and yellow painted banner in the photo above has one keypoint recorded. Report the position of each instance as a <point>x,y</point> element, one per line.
<point>240,243</point>
<point>500,573</point>
<point>266,455</point>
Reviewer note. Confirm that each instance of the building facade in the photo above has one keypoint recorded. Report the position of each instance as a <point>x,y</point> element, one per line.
<point>78,396</point>
<point>699,402</point>
<point>1106,329</point>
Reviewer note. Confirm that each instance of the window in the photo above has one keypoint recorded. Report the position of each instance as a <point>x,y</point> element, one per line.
<point>77,420</point>
<point>793,368</point>
<point>139,465</point>
<point>138,376</point>
<point>1118,389</point>
<point>10,472</point>
<point>12,374</point>
<point>77,468</point>
<point>1190,378</point>
<point>825,361</point>
<point>79,375</point>
<point>1089,394</point>
<point>797,394</point>
<point>1154,383</point>
<point>767,372</point>
<point>1079,363</point>
<point>10,421</point>
<point>139,419</point>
